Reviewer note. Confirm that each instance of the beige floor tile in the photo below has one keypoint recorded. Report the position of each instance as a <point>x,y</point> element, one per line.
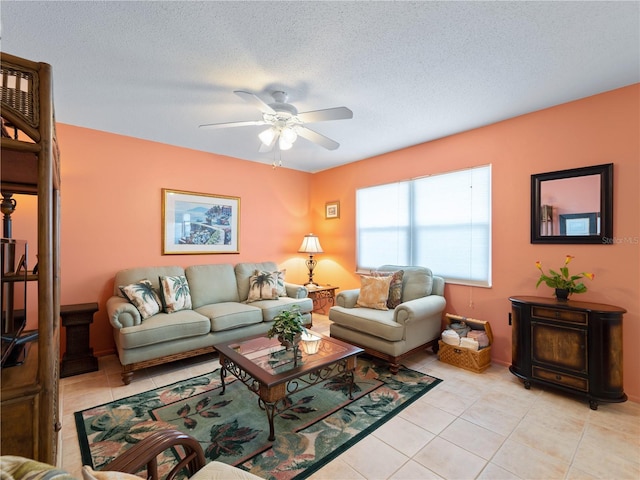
<point>494,472</point>
<point>413,471</point>
<point>515,401</point>
<point>576,474</point>
<point>79,401</point>
<point>497,420</point>
<point>473,438</point>
<point>374,459</point>
<point>404,436</point>
<point>337,469</point>
<point>449,460</point>
<point>618,417</point>
<point>552,434</point>
<point>445,398</point>
<point>529,463</point>
<point>134,388</point>
<point>427,416</point>
<point>608,454</point>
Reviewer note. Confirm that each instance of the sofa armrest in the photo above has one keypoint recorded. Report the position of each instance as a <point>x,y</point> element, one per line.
<point>347,298</point>
<point>423,307</point>
<point>122,313</point>
<point>296,291</point>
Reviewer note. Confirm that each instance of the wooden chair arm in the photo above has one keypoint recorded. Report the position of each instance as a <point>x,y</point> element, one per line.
<point>145,452</point>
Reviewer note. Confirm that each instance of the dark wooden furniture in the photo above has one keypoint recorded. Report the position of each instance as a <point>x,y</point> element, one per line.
<point>323,296</point>
<point>570,345</point>
<point>144,455</point>
<point>30,166</point>
<point>78,357</point>
<point>273,372</point>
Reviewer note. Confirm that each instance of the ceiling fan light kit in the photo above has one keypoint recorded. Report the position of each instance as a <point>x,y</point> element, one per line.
<point>285,123</point>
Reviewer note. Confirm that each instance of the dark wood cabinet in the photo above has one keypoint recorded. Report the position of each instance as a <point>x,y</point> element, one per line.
<point>570,345</point>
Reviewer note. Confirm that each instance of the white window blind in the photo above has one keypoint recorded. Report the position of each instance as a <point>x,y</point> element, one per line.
<point>442,222</point>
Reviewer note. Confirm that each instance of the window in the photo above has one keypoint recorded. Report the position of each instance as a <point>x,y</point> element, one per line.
<point>441,221</point>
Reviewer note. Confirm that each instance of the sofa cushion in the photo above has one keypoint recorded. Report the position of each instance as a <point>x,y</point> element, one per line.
<point>221,471</point>
<point>164,326</point>
<point>263,286</point>
<point>271,308</point>
<point>21,468</point>
<point>244,271</point>
<point>379,323</point>
<point>417,282</point>
<point>374,292</point>
<point>230,315</point>
<point>395,287</point>
<point>89,473</point>
<point>142,295</point>
<point>212,284</point>
<point>175,294</point>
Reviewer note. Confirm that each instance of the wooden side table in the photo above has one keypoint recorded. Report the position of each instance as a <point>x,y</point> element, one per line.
<point>323,296</point>
<point>78,358</point>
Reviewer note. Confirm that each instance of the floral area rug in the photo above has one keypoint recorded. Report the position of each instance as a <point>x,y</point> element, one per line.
<point>313,426</point>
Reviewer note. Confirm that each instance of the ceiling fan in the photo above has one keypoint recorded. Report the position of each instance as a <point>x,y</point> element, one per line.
<point>285,123</point>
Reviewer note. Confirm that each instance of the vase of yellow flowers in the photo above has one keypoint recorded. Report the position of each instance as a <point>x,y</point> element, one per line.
<point>563,282</point>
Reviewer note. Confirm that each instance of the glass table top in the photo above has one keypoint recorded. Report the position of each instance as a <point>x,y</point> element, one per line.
<point>267,353</point>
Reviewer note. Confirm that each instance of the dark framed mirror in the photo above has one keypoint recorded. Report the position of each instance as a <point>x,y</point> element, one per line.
<point>573,206</point>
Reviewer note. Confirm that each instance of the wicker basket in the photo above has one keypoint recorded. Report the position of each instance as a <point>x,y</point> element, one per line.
<point>473,360</point>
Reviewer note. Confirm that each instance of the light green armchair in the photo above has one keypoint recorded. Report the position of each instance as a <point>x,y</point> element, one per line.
<point>413,325</point>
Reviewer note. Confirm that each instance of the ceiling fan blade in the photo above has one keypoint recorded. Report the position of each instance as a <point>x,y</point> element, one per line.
<point>315,137</point>
<point>255,100</point>
<point>337,113</point>
<point>233,124</point>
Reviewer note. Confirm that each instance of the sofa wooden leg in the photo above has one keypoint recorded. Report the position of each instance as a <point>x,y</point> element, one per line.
<point>394,367</point>
<point>127,376</point>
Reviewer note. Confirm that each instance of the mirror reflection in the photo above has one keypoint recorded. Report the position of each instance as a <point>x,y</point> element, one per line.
<point>570,206</point>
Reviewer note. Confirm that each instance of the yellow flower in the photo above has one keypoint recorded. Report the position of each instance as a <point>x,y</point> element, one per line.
<point>562,279</point>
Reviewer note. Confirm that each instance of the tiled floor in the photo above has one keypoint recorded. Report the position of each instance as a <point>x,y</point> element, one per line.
<point>484,426</point>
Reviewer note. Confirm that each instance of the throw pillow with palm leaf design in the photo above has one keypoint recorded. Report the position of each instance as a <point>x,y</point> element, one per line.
<point>175,293</point>
<point>263,286</point>
<point>143,297</point>
<point>279,279</point>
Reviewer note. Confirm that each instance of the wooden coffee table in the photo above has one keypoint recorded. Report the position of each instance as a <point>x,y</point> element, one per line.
<point>270,371</point>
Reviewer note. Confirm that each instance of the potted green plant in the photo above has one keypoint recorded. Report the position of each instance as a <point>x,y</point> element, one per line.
<point>288,327</point>
<point>564,283</point>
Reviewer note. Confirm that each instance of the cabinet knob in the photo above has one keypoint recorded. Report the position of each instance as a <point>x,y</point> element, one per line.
<point>558,377</point>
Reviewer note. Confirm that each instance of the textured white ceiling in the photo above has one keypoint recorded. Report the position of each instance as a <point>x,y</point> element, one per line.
<point>410,71</point>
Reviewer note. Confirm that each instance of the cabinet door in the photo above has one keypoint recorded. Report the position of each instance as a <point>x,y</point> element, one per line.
<point>562,347</point>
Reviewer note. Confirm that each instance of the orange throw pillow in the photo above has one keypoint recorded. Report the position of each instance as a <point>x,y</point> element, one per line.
<point>374,292</point>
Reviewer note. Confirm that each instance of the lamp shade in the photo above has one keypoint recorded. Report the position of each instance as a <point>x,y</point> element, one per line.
<point>310,244</point>
<point>267,136</point>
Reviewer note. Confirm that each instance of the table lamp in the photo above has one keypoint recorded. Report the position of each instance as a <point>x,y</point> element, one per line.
<point>310,245</point>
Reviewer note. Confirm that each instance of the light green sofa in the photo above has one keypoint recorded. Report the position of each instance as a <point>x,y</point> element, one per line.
<point>219,313</point>
<point>413,325</point>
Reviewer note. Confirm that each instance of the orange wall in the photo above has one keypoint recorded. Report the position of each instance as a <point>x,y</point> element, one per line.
<point>600,129</point>
<point>111,210</point>
<point>111,213</point>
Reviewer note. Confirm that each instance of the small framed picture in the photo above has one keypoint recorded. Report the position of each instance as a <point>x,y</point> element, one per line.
<point>332,210</point>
